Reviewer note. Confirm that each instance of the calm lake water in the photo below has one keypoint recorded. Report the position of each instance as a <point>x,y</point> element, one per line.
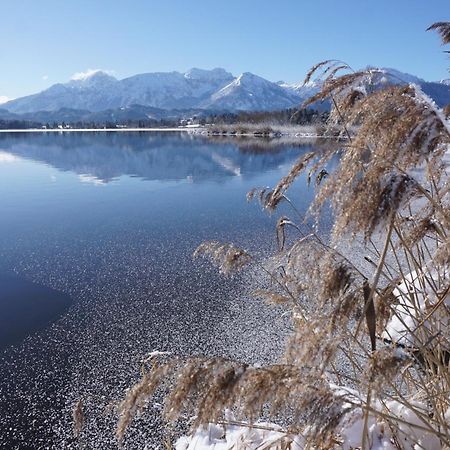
<point>96,269</point>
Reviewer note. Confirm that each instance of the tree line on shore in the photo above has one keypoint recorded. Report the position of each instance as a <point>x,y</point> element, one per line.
<point>290,116</point>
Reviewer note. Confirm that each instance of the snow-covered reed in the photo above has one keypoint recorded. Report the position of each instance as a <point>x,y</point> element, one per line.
<point>367,365</point>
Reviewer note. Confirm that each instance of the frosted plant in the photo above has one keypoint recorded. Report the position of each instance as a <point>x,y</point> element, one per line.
<point>378,324</point>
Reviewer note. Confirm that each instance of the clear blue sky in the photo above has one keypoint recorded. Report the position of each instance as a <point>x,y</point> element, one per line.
<point>46,41</point>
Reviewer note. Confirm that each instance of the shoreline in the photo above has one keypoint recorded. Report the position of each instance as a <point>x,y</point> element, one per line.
<point>199,131</point>
<point>102,130</point>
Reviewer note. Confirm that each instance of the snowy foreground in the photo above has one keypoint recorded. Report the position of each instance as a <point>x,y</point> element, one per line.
<point>404,425</point>
<point>410,431</point>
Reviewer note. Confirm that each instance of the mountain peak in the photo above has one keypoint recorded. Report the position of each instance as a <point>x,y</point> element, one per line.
<point>248,76</point>
<point>394,76</point>
<point>214,74</point>
<point>251,78</point>
<point>92,74</point>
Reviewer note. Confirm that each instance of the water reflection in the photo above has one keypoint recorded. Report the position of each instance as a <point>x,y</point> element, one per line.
<point>102,157</point>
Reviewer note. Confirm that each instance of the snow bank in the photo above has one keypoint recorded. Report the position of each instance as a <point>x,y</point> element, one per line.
<point>408,429</point>
<point>404,427</point>
<point>416,298</point>
<point>261,435</point>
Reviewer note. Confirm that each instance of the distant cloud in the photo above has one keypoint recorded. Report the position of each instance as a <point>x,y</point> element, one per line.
<point>85,75</point>
<point>45,77</point>
<point>4,99</point>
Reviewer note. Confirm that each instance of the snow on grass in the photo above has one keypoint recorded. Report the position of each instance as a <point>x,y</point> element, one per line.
<point>404,426</point>
<point>233,435</point>
<point>417,297</point>
<point>391,423</point>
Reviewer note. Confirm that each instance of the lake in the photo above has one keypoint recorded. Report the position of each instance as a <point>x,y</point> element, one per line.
<point>96,270</point>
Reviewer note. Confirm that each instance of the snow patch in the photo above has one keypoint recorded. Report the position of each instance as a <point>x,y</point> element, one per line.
<point>405,426</point>
<point>416,296</point>
<point>232,435</point>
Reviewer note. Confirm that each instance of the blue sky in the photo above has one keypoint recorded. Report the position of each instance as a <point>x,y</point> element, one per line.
<point>46,41</point>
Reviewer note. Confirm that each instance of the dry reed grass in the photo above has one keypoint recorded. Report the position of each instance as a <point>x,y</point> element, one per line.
<point>78,418</point>
<point>443,28</point>
<point>391,188</point>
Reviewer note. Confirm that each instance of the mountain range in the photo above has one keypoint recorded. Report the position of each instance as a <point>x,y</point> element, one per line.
<point>98,95</point>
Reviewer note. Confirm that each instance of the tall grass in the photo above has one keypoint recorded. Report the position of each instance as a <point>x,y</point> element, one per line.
<point>368,360</point>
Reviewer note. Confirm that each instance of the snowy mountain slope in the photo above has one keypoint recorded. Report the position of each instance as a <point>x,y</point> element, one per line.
<point>438,91</point>
<point>196,88</point>
<point>88,93</point>
<point>172,90</point>
<point>393,76</point>
<point>304,91</point>
<point>99,91</point>
<point>251,93</point>
<point>301,89</point>
<point>215,89</point>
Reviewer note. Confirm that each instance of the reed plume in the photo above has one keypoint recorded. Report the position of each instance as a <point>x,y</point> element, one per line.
<point>78,418</point>
<point>380,327</point>
<point>443,28</point>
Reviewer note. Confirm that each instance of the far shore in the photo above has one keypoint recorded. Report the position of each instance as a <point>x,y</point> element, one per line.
<point>229,131</point>
<point>82,130</point>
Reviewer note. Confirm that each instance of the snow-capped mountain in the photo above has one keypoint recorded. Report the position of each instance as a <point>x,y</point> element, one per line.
<point>171,90</point>
<point>438,91</point>
<point>91,93</point>
<point>216,89</point>
<point>209,89</point>
<point>250,92</point>
<point>98,91</point>
<point>388,75</point>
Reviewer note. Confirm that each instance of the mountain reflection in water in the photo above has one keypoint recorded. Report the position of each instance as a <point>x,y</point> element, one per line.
<point>103,157</point>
